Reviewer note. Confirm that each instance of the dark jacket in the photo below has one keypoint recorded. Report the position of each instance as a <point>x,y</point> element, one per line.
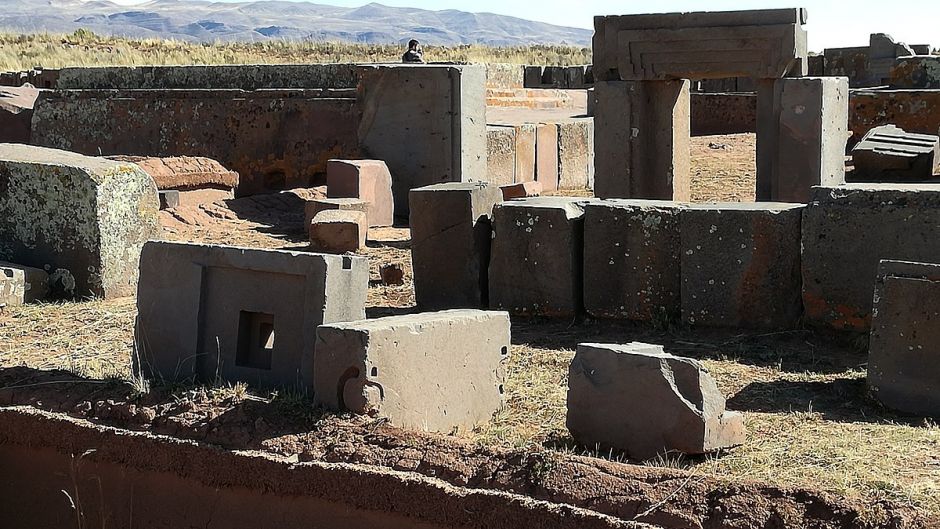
<point>412,56</point>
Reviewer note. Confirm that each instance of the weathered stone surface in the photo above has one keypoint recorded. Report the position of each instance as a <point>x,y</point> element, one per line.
<point>888,153</point>
<point>183,172</point>
<point>576,154</point>
<point>505,76</point>
<point>648,403</point>
<point>741,265</point>
<point>450,243</point>
<point>904,352</point>
<point>282,139</point>
<point>215,77</point>
<point>847,231</point>
<point>312,207</point>
<point>533,76</point>
<point>536,261</point>
<point>439,371</point>
<point>338,231</point>
<point>723,114</point>
<point>912,110</point>
<point>758,43</point>
<point>501,156</point>
<point>82,219</point>
<point>917,72</point>
<point>169,199</point>
<point>631,260</point>
<point>20,285</point>
<point>642,147</point>
<point>802,131</point>
<point>16,113</point>
<point>367,180</point>
<point>525,152</point>
<point>239,314</point>
<point>521,190</point>
<point>546,156</point>
<point>435,134</point>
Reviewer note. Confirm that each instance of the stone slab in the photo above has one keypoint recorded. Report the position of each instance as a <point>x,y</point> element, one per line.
<point>904,351</point>
<point>367,180</point>
<point>525,152</point>
<point>450,244</point>
<point>847,231</point>
<point>888,153</point>
<point>210,77</point>
<point>214,313</point>
<point>312,207</point>
<point>521,190</point>
<point>439,371</point>
<point>546,156</point>
<point>82,219</point>
<point>20,285</point>
<point>741,265</point>
<point>576,154</point>
<point>500,155</point>
<point>631,260</point>
<point>16,113</point>
<point>919,72</point>
<point>184,172</point>
<point>648,403</point>
<point>536,261</point>
<point>338,231</point>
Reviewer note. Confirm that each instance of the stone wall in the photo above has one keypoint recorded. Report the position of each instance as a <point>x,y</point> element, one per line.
<point>242,77</point>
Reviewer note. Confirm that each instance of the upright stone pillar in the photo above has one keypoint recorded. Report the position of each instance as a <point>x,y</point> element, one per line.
<point>802,130</point>
<point>642,131</point>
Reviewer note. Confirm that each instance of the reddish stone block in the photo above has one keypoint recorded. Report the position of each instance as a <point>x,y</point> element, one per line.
<point>546,156</point>
<point>368,180</point>
<point>338,231</point>
<point>521,190</point>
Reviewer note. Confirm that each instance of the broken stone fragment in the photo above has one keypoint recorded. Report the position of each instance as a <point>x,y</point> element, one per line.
<point>338,231</point>
<point>646,402</point>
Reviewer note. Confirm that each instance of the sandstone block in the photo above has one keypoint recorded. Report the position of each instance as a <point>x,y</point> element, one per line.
<point>237,314</point>
<point>847,231</point>
<point>546,156</point>
<point>888,153</point>
<point>450,243</point>
<point>183,172</point>
<point>16,113</point>
<point>904,352</point>
<point>312,207</point>
<point>576,154</point>
<point>525,152</point>
<point>338,231</point>
<point>83,219</point>
<point>437,372</point>
<point>648,403</point>
<point>500,155</point>
<point>20,285</point>
<point>741,265</point>
<point>631,260</point>
<point>367,180</point>
<point>536,261</point>
<point>522,190</point>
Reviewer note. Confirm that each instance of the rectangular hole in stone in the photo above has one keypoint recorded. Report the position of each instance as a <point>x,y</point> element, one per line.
<point>255,340</point>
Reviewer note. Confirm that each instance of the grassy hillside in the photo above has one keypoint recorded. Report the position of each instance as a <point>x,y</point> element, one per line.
<point>82,48</point>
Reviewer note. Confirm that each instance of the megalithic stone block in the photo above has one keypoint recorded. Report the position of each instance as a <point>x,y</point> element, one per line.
<point>439,371</point>
<point>921,72</point>
<point>546,156</point>
<point>642,134</point>
<point>536,261</point>
<point>20,285</point>
<point>312,207</point>
<point>576,154</point>
<point>802,131</point>
<point>236,314</point>
<point>759,43</point>
<point>338,231</point>
<point>847,231</point>
<point>741,265</point>
<point>904,353</point>
<point>639,399</point>
<point>367,180</point>
<point>450,243</point>
<point>889,153</point>
<point>500,155</point>
<point>525,153</point>
<point>83,219</point>
<point>631,260</point>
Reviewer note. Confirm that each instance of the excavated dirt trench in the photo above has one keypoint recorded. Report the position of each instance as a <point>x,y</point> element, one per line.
<point>665,498</point>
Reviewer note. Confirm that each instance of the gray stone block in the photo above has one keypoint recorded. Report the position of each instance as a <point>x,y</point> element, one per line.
<point>439,371</point>
<point>648,403</point>
<point>199,77</point>
<point>741,265</point>
<point>436,134</point>
<point>20,285</point>
<point>921,72</point>
<point>536,261</point>
<point>631,260</point>
<point>500,155</point>
<point>576,154</point>
<point>888,153</point>
<point>533,76</point>
<point>450,243</point>
<point>847,231</point>
<point>83,219</point>
<point>238,314</point>
<point>904,352</point>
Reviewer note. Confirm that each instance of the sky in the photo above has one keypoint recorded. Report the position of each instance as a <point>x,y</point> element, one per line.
<point>832,23</point>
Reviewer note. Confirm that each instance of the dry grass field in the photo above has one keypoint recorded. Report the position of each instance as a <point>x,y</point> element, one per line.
<point>82,48</point>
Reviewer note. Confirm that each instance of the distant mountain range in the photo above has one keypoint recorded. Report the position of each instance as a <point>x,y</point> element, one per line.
<point>197,20</point>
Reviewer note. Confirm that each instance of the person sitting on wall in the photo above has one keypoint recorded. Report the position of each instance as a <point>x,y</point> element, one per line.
<point>414,53</point>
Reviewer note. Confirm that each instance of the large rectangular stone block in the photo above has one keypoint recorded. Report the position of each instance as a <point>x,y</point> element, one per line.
<point>904,352</point>
<point>536,261</point>
<point>83,219</point>
<point>367,180</point>
<point>576,154</point>
<point>802,131</point>
<point>637,398</point>
<point>631,260</point>
<point>642,139</point>
<point>525,152</point>
<point>438,371</point>
<point>700,45</point>
<point>450,243</point>
<point>436,134</point>
<point>889,153</point>
<point>238,314</point>
<point>546,156</point>
<point>209,77</point>
<point>920,72</point>
<point>741,265</point>
<point>847,231</point>
<point>20,285</point>
<point>500,155</point>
